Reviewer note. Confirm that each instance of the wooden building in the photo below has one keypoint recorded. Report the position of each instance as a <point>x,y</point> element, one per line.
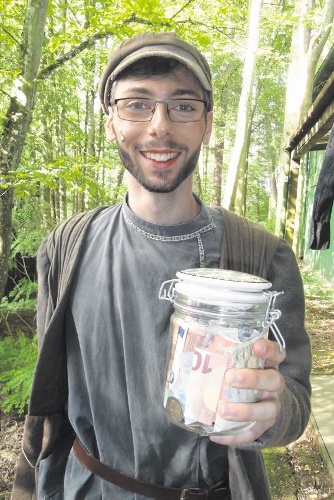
<point>306,148</point>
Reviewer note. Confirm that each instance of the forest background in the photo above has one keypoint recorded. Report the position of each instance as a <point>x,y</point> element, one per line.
<point>54,158</point>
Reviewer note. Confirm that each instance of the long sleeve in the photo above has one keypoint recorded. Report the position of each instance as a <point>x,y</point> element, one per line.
<point>295,399</point>
<point>248,247</point>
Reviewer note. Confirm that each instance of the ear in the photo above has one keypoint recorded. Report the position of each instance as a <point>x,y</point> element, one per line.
<point>208,130</point>
<point>110,133</point>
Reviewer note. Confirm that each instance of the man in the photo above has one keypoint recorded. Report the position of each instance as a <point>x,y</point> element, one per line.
<point>104,333</point>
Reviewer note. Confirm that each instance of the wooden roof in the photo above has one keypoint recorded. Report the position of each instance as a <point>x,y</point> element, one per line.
<point>314,131</point>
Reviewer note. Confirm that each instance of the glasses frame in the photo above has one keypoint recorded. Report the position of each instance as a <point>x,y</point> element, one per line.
<point>158,101</point>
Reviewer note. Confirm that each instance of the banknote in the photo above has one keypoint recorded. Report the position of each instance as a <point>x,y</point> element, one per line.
<point>200,357</point>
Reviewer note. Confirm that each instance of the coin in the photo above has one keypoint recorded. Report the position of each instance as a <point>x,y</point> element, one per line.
<point>174,410</point>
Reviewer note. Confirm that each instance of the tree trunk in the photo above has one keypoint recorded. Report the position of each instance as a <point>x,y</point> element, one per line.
<point>217,172</point>
<point>241,189</point>
<point>17,122</point>
<point>117,184</point>
<point>273,186</point>
<point>219,145</point>
<point>61,151</point>
<point>240,151</point>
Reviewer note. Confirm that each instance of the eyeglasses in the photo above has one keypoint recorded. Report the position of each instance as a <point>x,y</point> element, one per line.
<point>140,109</point>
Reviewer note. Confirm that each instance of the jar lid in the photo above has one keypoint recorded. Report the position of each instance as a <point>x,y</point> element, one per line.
<point>224,279</point>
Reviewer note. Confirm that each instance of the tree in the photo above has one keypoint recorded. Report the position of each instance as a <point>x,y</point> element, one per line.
<point>17,122</point>
<point>46,174</point>
<point>237,166</point>
<point>66,164</point>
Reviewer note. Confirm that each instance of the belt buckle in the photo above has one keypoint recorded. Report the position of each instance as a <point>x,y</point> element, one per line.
<point>185,491</point>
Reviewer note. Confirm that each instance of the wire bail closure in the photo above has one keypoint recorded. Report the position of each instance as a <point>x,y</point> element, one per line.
<point>271,317</point>
<point>167,292</point>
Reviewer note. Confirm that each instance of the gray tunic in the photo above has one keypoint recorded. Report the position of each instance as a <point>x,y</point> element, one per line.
<point>48,436</point>
<point>117,348</point>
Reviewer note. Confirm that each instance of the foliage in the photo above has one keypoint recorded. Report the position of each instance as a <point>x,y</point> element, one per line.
<point>23,296</point>
<point>67,165</point>
<point>27,228</point>
<point>17,361</point>
<point>56,149</point>
<point>18,351</point>
<point>316,287</point>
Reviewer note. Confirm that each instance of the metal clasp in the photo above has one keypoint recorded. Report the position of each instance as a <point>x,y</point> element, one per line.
<point>168,293</point>
<point>184,493</point>
<point>271,317</point>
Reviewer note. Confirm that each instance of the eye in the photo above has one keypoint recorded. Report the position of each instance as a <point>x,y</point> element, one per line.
<point>138,105</point>
<point>184,107</point>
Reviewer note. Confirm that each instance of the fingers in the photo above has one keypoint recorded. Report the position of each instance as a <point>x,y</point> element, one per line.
<point>270,384</point>
<point>269,351</point>
<point>268,379</point>
<point>263,415</point>
<point>265,410</point>
<point>244,437</point>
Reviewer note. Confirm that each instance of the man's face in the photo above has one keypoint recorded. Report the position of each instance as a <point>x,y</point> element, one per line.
<point>159,154</point>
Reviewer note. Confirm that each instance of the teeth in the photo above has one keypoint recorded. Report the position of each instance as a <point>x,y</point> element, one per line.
<point>160,156</point>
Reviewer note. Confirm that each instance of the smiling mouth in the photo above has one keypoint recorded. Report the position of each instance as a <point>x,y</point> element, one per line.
<point>160,157</point>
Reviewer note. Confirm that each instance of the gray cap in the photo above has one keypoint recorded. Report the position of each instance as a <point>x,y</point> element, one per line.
<point>150,44</point>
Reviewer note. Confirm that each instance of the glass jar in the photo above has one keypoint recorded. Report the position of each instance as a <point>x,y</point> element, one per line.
<point>218,315</point>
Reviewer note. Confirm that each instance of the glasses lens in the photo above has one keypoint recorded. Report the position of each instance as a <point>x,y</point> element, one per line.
<point>142,110</point>
<point>135,110</point>
<point>185,110</point>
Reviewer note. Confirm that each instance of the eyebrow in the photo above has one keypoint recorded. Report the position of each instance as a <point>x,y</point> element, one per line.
<point>176,92</point>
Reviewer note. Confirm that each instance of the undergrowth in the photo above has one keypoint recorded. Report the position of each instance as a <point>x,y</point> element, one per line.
<point>17,362</point>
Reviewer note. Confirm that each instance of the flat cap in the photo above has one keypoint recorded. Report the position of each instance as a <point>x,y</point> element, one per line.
<point>142,45</point>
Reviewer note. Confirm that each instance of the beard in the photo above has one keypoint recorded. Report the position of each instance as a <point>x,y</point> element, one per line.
<point>163,183</point>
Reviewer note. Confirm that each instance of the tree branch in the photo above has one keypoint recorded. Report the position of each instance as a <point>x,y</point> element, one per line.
<point>319,39</point>
<point>12,36</point>
<point>89,42</point>
<point>5,93</point>
<point>45,73</point>
<point>182,8</point>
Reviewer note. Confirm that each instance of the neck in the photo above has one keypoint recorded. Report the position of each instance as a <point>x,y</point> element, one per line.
<point>163,208</point>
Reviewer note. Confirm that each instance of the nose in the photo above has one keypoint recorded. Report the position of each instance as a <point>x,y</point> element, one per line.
<point>160,124</point>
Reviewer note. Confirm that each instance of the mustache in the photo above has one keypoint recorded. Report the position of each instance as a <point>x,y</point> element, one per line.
<point>166,144</point>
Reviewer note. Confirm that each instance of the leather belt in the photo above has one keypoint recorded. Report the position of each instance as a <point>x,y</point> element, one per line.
<point>129,483</point>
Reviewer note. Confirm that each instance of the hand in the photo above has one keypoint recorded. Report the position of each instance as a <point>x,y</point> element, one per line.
<point>269,381</point>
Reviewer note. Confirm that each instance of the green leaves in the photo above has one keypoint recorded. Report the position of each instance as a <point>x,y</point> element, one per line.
<point>67,165</point>
<point>17,362</point>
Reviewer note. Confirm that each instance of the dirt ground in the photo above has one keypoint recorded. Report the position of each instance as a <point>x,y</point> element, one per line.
<point>10,444</point>
<point>297,472</point>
